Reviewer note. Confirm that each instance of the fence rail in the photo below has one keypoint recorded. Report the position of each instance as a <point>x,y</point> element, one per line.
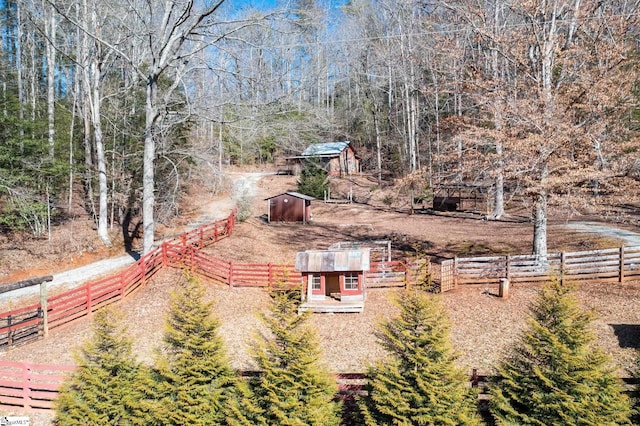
<point>29,386</point>
<point>608,265</point>
<point>29,323</point>
<point>32,322</point>
<point>35,387</point>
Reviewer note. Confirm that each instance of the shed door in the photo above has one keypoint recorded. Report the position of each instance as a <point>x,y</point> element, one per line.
<point>332,283</point>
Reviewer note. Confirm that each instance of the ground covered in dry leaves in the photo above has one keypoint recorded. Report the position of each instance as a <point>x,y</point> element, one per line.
<point>483,325</point>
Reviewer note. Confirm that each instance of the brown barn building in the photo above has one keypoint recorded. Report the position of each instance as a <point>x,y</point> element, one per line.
<point>289,207</point>
<point>337,158</point>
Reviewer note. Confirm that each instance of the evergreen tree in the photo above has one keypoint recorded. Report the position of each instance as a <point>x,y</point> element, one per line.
<point>193,378</point>
<point>294,387</point>
<point>418,383</point>
<point>554,374</point>
<point>102,391</point>
<point>313,179</point>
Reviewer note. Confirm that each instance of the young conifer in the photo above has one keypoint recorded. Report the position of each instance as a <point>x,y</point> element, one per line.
<point>193,378</point>
<point>294,388</point>
<point>554,374</point>
<point>102,390</point>
<point>418,383</point>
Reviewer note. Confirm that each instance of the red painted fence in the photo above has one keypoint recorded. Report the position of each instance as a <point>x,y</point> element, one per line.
<point>30,386</point>
<point>33,387</point>
<point>25,324</point>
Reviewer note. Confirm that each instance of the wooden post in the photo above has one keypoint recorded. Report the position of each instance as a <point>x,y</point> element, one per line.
<point>230,274</point>
<point>9,332</point>
<point>455,272</point>
<point>215,231</point>
<point>26,379</point>
<point>503,290</point>
<point>44,307</point>
<point>508,267</point>
<point>562,263</point>
<point>270,269</point>
<point>89,307</point>
<point>621,276</point>
<point>143,267</point>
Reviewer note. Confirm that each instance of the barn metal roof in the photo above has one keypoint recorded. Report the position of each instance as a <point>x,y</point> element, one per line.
<point>293,194</point>
<point>326,149</point>
<point>333,260</point>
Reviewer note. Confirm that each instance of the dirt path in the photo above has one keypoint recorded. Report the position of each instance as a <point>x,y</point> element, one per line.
<point>244,185</point>
<point>630,238</point>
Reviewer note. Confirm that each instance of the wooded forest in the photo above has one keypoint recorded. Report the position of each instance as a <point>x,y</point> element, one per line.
<point>121,105</point>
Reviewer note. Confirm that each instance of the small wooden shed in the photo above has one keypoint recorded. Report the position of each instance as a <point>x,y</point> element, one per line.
<point>337,158</point>
<point>289,207</point>
<point>334,275</point>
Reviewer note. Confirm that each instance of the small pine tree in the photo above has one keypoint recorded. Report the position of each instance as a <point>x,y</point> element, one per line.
<point>294,388</point>
<point>313,179</point>
<point>554,374</point>
<point>193,379</point>
<point>102,390</point>
<point>418,383</point>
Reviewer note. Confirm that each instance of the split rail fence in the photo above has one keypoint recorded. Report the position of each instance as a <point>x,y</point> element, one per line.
<point>608,265</point>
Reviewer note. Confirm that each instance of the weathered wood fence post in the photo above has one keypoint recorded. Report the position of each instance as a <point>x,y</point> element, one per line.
<point>455,272</point>
<point>507,268</point>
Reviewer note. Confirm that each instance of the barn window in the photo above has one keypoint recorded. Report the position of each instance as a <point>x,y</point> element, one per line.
<point>315,282</point>
<point>351,281</point>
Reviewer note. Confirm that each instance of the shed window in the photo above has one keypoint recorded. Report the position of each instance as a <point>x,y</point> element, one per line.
<point>315,282</point>
<point>351,281</point>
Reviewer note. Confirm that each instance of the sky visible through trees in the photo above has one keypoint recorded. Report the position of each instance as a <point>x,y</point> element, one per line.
<point>117,107</point>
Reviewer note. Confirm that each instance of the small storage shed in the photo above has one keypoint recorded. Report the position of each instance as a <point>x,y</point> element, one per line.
<point>337,158</point>
<point>289,207</point>
<point>334,275</point>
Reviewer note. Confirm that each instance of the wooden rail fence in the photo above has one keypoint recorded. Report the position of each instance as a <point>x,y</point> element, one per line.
<point>35,321</point>
<point>32,322</point>
<point>608,265</point>
<point>33,387</point>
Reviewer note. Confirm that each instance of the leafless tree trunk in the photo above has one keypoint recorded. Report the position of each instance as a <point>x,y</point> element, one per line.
<point>50,31</point>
